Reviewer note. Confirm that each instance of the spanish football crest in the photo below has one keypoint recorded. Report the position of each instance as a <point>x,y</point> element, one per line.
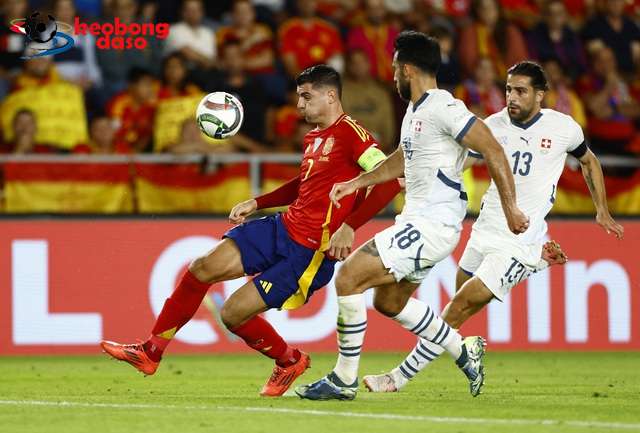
<point>328,145</point>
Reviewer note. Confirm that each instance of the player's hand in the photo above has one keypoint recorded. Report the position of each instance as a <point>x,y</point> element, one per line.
<point>518,222</point>
<point>341,242</point>
<point>606,221</point>
<point>242,210</point>
<point>341,190</point>
<point>553,254</point>
<point>403,182</point>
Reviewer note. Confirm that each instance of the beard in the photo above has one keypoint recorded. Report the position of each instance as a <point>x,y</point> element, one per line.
<point>404,90</point>
<point>520,115</point>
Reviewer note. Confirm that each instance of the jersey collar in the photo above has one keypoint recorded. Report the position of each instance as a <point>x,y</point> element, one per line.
<point>526,125</point>
<point>420,101</point>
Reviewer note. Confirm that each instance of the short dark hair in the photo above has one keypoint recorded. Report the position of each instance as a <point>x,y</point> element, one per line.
<point>137,73</point>
<point>419,50</point>
<point>321,75</point>
<point>532,70</point>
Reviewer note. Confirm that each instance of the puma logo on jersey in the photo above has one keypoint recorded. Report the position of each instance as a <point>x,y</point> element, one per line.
<point>526,140</point>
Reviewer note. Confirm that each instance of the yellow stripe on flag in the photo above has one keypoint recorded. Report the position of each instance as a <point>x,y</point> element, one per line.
<point>219,198</point>
<point>67,196</point>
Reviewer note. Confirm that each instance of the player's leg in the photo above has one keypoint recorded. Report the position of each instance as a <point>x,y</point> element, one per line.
<point>361,270</point>
<point>423,354</point>
<point>221,263</point>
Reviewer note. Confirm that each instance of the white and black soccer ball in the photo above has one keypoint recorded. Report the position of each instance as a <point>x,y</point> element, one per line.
<point>41,28</point>
<point>219,115</point>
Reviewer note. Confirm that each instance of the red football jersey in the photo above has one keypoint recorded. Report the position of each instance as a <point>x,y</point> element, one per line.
<point>330,156</point>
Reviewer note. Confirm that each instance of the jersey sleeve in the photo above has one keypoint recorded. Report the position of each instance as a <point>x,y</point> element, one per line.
<point>364,148</point>
<point>577,146</point>
<point>454,119</point>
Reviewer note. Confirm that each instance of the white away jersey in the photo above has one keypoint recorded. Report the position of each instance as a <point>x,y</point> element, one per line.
<point>536,152</point>
<point>430,137</point>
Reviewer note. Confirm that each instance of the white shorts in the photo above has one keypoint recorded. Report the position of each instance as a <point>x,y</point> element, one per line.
<point>497,263</point>
<point>412,246</point>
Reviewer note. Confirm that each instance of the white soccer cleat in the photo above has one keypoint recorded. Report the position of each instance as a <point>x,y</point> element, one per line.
<point>380,383</point>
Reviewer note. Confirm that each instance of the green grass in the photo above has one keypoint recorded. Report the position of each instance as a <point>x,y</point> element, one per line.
<point>219,393</point>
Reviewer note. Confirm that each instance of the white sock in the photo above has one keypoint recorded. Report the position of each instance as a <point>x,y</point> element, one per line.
<point>420,319</point>
<point>351,326</point>
<point>420,357</point>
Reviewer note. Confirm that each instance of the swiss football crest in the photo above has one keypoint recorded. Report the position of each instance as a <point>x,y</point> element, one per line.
<point>545,145</point>
<point>406,146</point>
<point>328,145</point>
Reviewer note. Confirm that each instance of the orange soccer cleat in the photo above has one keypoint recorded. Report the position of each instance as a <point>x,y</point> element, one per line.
<point>134,354</point>
<point>282,377</point>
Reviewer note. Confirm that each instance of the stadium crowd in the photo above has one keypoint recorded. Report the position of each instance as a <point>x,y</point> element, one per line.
<point>254,49</point>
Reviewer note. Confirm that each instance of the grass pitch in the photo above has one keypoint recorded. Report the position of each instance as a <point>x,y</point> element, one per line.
<point>525,392</point>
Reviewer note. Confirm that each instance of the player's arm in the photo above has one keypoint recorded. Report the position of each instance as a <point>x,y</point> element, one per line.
<point>380,196</point>
<point>592,172</point>
<point>391,168</point>
<point>281,196</point>
<point>480,139</point>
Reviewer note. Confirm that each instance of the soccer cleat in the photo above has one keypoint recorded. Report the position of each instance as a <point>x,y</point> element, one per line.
<point>134,354</point>
<point>473,368</point>
<point>380,383</point>
<point>329,387</point>
<point>282,377</point>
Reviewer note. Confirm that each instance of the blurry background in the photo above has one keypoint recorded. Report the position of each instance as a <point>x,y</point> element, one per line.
<point>112,130</point>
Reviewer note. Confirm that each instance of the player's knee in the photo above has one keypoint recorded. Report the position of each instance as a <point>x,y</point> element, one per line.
<point>228,316</point>
<point>388,306</point>
<point>345,282</point>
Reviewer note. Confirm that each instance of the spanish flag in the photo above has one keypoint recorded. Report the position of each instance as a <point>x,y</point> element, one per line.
<point>67,187</point>
<point>572,196</point>
<point>167,188</point>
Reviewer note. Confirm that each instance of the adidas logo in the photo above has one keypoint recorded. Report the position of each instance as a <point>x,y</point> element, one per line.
<point>266,286</point>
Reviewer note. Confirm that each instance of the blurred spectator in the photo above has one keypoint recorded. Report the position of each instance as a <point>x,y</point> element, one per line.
<point>174,78</point>
<point>11,44</point>
<point>560,96</point>
<point>285,121</point>
<point>258,47</point>
<point>192,141</point>
<point>132,112</point>
<point>611,107</point>
<point>102,136</point>
<point>238,82</point>
<point>192,38</point>
<point>616,31</point>
<point>116,63</point>
<point>307,40</point>
<point>367,101</point>
<point>554,38</point>
<point>24,136</point>
<point>481,94</point>
<point>256,39</point>
<point>523,13</point>
<point>449,72</point>
<point>457,9</point>
<point>375,37</point>
<point>36,72</point>
<point>78,64</point>
<point>490,35</point>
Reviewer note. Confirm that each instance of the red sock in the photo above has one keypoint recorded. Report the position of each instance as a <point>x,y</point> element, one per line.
<point>176,312</point>
<point>260,335</point>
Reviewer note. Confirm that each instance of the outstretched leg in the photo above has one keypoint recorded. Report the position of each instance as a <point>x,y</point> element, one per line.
<point>220,264</point>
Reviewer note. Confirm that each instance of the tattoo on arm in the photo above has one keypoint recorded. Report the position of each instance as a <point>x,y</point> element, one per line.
<point>589,179</point>
<point>370,248</point>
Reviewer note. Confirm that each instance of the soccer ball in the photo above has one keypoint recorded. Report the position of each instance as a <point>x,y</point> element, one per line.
<point>219,115</point>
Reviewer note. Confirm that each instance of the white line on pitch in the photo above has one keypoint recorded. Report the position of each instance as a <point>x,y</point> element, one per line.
<point>389,416</point>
